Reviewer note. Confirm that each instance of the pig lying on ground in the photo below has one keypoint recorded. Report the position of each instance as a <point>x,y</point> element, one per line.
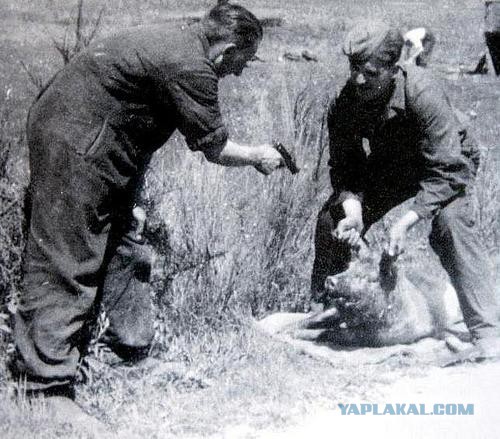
<point>374,303</point>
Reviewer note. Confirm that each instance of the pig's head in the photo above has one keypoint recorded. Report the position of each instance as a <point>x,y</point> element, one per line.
<point>363,294</point>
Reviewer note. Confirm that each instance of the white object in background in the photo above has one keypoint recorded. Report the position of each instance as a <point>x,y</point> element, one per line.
<point>419,43</point>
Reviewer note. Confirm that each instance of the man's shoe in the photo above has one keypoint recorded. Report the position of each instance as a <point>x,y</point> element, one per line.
<point>483,349</point>
<point>455,345</point>
<point>489,347</point>
<point>469,355</point>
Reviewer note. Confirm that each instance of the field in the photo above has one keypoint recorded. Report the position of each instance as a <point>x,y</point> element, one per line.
<point>231,244</point>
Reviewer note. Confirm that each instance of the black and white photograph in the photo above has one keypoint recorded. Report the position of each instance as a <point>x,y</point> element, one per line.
<point>232,219</point>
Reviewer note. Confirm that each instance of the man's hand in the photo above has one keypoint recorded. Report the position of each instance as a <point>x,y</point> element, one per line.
<point>269,159</point>
<point>349,229</point>
<point>398,232</point>
<point>265,158</point>
<point>287,158</point>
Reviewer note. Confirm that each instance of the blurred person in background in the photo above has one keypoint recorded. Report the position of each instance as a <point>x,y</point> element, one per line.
<point>91,134</point>
<point>492,32</point>
<point>394,136</point>
<point>418,47</point>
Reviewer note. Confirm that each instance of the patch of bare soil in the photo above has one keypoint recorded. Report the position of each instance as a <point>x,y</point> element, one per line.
<point>424,385</point>
<point>473,384</point>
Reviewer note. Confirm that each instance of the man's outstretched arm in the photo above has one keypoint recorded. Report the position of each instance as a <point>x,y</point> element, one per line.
<point>264,158</point>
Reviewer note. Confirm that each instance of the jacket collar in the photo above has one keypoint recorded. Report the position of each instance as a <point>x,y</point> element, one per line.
<point>397,103</point>
<point>202,37</point>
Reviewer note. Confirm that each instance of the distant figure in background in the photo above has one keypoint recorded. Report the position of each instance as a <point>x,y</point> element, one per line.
<point>417,50</point>
<point>418,47</point>
<point>394,136</point>
<point>91,134</point>
<point>489,61</point>
<point>492,32</point>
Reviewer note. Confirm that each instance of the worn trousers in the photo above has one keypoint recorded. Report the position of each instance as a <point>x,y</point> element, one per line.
<point>454,240</point>
<point>77,256</point>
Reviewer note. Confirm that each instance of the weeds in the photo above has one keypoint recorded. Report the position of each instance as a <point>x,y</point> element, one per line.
<point>11,216</point>
<point>240,247</point>
<point>79,32</point>
<point>12,235</point>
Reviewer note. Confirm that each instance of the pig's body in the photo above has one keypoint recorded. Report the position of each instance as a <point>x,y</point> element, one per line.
<point>361,312</point>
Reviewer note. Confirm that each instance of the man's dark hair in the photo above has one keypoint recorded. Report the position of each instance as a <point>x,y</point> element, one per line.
<point>231,23</point>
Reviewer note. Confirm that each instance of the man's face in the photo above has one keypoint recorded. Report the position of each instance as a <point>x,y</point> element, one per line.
<point>234,60</point>
<point>370,80</point>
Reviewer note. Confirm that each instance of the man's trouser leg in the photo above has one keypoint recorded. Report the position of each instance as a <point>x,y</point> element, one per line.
<point>331,255</point>
<point>67,238</point>
<point>126,298</point>
<point>466,261</point>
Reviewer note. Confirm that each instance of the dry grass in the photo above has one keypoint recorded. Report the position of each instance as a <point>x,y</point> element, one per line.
<point>230,243</point>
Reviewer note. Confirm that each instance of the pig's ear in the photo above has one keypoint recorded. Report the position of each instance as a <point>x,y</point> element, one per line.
<point>388,273</point>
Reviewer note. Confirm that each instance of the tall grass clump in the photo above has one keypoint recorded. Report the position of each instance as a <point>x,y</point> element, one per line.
<point>80,30</point>
<point>11,212</point>
<point>81,26</point>
<point>11,229</point>
<point>230,242</point>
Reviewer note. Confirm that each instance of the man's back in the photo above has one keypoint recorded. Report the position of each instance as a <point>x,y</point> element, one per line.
<point>128,81</point>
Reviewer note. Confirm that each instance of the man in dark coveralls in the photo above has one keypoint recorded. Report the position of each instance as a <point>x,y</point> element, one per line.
<point>394,136</point>
<point>91,134</point>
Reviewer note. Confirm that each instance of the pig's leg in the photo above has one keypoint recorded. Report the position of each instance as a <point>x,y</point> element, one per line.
<point>322,320</point>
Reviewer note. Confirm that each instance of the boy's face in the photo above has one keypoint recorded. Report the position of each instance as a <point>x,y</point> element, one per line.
<point>371,80</point>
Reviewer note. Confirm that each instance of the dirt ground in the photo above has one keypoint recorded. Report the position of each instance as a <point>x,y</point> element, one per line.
<point>465,384</point>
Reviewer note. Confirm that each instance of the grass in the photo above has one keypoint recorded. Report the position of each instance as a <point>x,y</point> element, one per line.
<point>230,243</point>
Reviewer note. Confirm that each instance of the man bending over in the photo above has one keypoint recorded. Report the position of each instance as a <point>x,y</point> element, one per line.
<point>394,136</point>
<point>91,134</point>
